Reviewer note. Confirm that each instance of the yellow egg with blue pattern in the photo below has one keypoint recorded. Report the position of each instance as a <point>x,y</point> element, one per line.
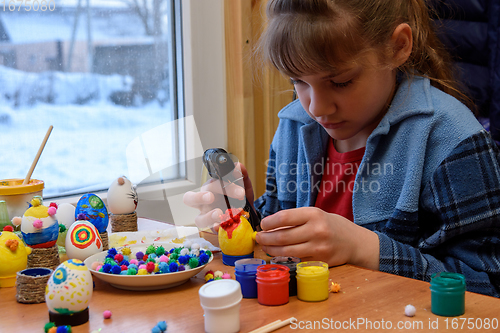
<point>69,288</point>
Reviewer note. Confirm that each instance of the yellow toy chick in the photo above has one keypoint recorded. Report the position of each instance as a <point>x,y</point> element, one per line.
<point>13,258</point>
<point>236,236</point>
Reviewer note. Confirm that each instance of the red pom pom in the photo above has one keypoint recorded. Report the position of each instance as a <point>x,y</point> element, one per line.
<point>106,314</point>
<point>150,267</point>
<point>124,268</point>
<point>8,228</point>
<point>53,204</point>
<point>209,272</point>
<point>119,257</point>
<point>145,258</point>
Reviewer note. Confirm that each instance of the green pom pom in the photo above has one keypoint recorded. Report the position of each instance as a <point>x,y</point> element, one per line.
<point>131,271</point>
<point>48,326</point>
<point>171,261</point>
<point>174,256</point>
<point>160,250</point>
<point>109,261</point>
<point>150,249</point>
<point>150,260</point>
<point>62,228</point>
<point>193,262</point>
<point>177,250</point>
<point>209,253</point>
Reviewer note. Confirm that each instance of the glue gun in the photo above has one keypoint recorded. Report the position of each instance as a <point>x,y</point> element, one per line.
<point>220,166</point>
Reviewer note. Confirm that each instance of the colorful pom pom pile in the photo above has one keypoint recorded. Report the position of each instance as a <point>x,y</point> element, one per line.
<point>218,275</point>
<point>156,260</point>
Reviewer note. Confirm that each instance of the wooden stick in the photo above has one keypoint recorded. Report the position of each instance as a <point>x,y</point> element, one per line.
<point>35,161</point>
<point>273,326</point>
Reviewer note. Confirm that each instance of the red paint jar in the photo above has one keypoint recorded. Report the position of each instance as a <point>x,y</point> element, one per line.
<point>272,284</point>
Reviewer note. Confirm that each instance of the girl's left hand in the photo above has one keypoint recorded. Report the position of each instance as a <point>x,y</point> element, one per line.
<point>312,234</point>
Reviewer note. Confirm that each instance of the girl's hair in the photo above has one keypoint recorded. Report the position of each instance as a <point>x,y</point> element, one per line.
<point>310,36</point>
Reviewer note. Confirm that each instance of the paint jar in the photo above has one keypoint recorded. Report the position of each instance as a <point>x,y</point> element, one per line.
<point>312,281</point>
<point>18,196</point>
<point>245,271</point>
<point>220,300</point>
<point>272,284</point>
<point>291,263</point>
<point>447,294</point>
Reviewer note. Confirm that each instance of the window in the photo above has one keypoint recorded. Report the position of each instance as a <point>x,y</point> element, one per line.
<point>106,74</point>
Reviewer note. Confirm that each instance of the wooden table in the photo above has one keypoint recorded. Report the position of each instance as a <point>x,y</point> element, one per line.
<point>368,301</point>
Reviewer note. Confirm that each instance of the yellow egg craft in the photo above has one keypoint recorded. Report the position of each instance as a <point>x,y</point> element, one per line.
<point>13,258</point>
<point>236,237</point>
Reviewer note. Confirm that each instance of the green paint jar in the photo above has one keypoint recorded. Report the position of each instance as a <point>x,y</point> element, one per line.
<point>447,294</point>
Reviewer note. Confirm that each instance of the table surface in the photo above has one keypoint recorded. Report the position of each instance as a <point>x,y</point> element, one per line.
<point>368,301</point>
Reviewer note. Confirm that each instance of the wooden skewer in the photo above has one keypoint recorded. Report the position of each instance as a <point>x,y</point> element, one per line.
<point>273,326</point>
<point>35,161</point>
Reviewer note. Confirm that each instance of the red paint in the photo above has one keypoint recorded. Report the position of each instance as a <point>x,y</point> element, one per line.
<point>272,284</point>
<point>231,221</point>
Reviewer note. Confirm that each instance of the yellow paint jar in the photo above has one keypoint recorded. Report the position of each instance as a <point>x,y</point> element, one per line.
<point>312,281</point>
<point>18,196</point>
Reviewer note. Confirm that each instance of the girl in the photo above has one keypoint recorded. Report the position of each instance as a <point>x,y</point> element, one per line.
<point>380,136</point>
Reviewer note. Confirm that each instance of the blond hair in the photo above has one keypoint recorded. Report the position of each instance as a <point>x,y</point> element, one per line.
<point>310,36</point>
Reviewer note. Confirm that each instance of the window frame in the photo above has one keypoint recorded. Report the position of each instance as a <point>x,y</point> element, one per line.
<point>203,97</point>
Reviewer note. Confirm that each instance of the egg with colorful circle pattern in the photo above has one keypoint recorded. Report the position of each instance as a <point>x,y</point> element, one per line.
<point>94,210</point>
<point>82,240</point>
<point>69,288</point>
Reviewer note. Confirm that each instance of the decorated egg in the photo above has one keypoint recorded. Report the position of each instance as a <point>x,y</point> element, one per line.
<point>69,288</point>
<point>39,225</point>
<point>13,258</point>
<point>94,209</point>
<point>122,196</point>
<point>66,216</point>
<point>82,240</point>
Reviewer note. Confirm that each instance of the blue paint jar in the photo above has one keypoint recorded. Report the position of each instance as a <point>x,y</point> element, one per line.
<point>245,271</point>
<point>447,294</point>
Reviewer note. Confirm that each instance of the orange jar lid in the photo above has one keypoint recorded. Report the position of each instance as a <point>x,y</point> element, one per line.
<point>15,186</point>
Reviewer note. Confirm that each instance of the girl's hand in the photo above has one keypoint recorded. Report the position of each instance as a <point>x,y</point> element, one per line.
<point>210,200</point>
<point>312,234</point>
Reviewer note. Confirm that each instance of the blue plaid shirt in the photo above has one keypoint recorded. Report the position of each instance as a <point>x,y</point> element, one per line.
<point>436,209</point>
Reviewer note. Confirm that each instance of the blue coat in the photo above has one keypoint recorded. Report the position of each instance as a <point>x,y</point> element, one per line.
<point>428,184</point>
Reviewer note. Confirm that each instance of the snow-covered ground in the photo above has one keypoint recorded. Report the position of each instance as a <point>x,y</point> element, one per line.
<point>87,145</point>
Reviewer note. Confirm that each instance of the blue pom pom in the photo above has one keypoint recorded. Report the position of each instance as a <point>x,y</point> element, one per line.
<point>171,250</point>
<point>106,268</point>
<point>63,329</point>
<point>133,266</point>
<point>162,325</point>
<point>204,258</point>
<point>116,269</point>
<point>124,262</point>
<point>156,329</point>
<point>139,255</point>
<point>163,266</point>
<point>173,267</point>
<point>183,259</point>
<point>110,256</point>
<point>112,251</point>
<point>152,256</point>
<point>182,268</point>
<point>125,272</point>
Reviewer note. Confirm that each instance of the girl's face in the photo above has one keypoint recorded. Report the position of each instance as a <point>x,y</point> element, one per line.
<point>350,103</point>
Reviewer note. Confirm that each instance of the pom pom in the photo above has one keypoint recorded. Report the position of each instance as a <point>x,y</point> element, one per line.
<point>171,250</point>
<point>145,257</point>
<point>106,314</point>
<point>193,262</point>
<point>8,228</point>
<point>134,266</point>
<point>118,257</point>
<point>183,260</point>
<point>52,330</point>
<point>160,250</point>
<point>35,202</point>
<point>106,268</point>
<point>52,211</point>
<point>134,262</point>
<point>209,277</point>
<point>123,268</point>
<point>126,251</point>
<point>124,263</point>
<point>142,272</point>
<point>38,224</point>
<point>139,255</point>
<point>209,272</point>
<point>156,329</point>
<point>112,251</point>
<point>62,228</point>
<point>226,276</point>
<point>163,267</point>
<point>152,256</point>
<point>17,221</point>
<point>12,244</point>
<point>64,329</point>
<point>182,268</point>
<point>335,287</point>
<point>195,246</point>
<point>173,267</point>
<point>410,310</point>
<point>204,259</point>
<point>95,264</point>
<point>184,252</point>
<point>150,267</point>
<point>163,258</point>
<point>150,249</point>
<point>174,256</point>
<point>131,271</point>
<point>209,253</point>
<point>53,204</point>
<point>218,274</point>
<point>48,326</point>
<point>81,217</point>
<point>162,325</point>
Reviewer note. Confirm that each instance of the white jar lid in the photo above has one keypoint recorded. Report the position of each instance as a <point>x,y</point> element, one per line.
<point>220,293</point>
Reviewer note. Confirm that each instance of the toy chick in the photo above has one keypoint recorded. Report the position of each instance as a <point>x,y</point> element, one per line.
<point>13,258</point>
<point>39,225</point>
<point>236,237</point>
